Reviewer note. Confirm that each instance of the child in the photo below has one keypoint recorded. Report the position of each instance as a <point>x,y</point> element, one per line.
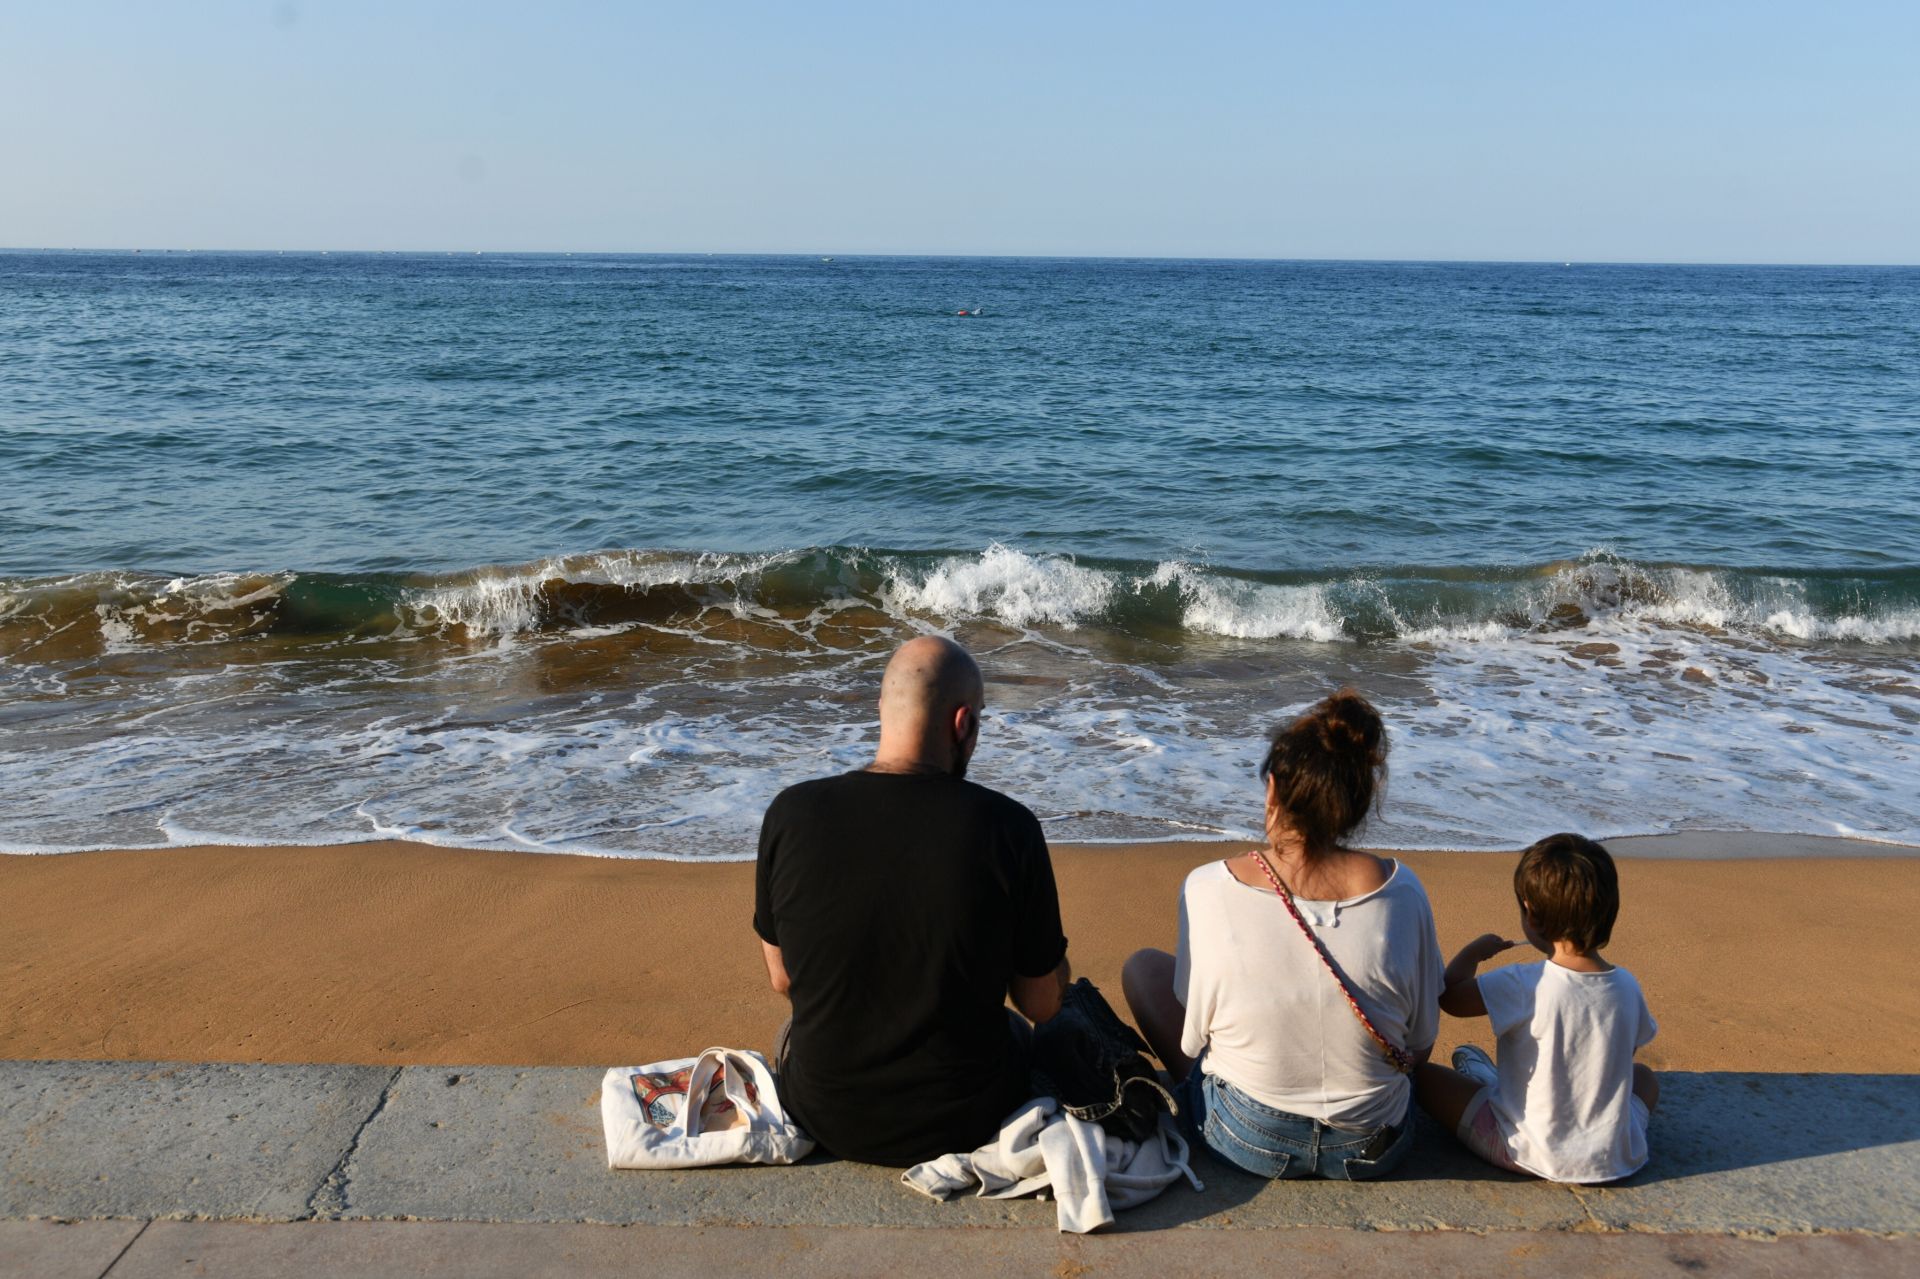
<point>1567,1101</point>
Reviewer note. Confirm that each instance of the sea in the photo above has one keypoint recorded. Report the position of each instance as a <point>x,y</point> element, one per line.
<point>595,553</point>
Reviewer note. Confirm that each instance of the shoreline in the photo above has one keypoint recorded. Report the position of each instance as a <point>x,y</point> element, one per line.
<point>1691,845</point>
<point>404,954</point>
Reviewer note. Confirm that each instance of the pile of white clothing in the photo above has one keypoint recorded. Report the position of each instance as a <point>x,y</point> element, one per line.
<point>1091,1172</point>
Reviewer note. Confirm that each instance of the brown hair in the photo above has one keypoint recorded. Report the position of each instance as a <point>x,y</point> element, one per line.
<point>1328,768</point>
<point>1568,885</point>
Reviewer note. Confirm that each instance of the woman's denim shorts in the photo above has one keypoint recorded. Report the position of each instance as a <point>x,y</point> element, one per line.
<point>1272,1143</point>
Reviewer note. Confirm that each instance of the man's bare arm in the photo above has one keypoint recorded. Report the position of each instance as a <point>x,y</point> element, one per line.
<point>1038,998</point>
<point>776,968</point>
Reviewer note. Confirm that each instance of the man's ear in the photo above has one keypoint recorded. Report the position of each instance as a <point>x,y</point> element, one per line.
<point>962,723</point>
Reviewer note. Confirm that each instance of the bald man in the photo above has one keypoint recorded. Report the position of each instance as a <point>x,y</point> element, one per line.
<point>900,906</point>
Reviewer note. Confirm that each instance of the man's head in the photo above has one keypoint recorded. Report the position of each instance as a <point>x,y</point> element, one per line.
<point>1568,891</point>
<point>930,702</point>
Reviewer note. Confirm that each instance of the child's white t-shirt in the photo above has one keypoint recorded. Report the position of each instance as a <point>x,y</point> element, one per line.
<point>1565,1097</point>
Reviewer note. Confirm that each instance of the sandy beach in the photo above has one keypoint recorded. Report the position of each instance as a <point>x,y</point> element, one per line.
<point>389,953</point>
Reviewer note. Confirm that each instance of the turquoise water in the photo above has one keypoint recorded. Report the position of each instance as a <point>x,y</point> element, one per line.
<point>594,553</point>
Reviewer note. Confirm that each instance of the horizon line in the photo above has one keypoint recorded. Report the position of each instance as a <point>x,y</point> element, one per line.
<point>1058,257</point>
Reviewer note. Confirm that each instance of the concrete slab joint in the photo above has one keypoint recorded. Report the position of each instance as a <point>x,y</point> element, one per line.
<point>92,1140</point>
<point>330,1197</point>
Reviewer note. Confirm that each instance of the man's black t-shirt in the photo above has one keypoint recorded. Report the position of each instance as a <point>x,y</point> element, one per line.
<point>903,904</point>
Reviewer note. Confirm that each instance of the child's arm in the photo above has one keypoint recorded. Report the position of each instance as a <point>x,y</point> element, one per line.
<point>1461,994</point>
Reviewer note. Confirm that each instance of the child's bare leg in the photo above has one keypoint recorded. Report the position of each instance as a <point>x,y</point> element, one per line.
<point>1646,1086</point>
<point>1146,979</point>
<point>1447,1095</point>
<point>1444,1093</point>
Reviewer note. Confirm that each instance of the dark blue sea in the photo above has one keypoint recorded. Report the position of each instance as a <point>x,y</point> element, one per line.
<point>594,553</point>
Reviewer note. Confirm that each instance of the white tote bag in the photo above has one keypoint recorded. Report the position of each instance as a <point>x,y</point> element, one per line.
<point>718,1108</point>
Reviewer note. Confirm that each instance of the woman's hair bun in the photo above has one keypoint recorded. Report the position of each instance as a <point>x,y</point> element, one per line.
<point>1326,768</point>
<point>1348,725</point>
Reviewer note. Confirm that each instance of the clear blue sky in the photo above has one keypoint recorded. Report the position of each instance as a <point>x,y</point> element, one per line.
<point>1684,130</point>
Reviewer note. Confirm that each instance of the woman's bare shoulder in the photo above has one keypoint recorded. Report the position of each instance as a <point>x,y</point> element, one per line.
<point>1210,876</point>
<point>1365,873</point>
<point>1244,867</point>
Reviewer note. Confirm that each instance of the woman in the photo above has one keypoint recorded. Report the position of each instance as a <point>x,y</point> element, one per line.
<point>1284,1074</point>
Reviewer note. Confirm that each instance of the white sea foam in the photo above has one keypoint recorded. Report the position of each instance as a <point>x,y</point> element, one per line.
<point>488,606</point>
<point>1687,597</point>
<point>1213,604</point>
<point>1017,588</point>
<point>512,600</point>
<point>1028,590</point>
<point>1892,628</point>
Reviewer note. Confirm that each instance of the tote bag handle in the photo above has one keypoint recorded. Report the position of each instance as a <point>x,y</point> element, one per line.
<point>746,1082</point>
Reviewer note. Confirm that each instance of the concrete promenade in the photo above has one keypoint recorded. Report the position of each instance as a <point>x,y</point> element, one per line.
<point>183,1168</point>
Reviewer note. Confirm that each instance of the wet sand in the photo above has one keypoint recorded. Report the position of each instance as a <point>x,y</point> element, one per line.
<point>386,953</point>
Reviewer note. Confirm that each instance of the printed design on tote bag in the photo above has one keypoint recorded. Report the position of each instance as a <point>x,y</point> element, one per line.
<point>656,1094</point>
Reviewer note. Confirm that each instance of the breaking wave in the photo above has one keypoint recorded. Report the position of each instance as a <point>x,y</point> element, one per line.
<point>1164,601</point>
<point>650,703</point>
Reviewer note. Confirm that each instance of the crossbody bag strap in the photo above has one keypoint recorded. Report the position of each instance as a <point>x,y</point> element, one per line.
<point>1402,1060</point>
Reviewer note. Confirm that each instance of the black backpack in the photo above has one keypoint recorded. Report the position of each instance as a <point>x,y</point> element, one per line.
<point>1095,1065</point>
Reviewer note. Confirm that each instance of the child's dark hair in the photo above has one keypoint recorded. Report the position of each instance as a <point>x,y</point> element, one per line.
<point>1328,767</point>
<point>1567,883</point>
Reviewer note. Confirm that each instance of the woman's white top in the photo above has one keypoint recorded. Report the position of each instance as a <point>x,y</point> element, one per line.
<point>1271,1017</point>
